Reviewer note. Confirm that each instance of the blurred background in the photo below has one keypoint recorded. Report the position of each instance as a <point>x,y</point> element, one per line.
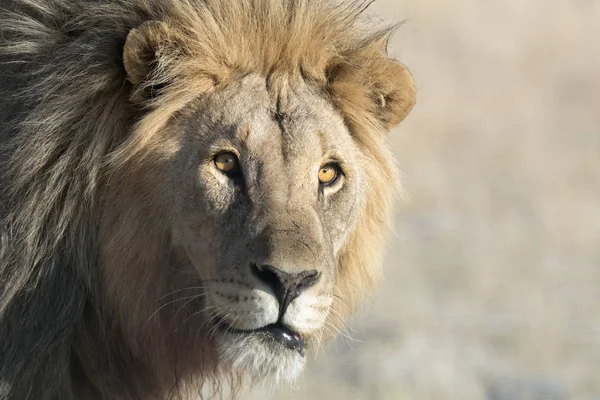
<point>492,281</point>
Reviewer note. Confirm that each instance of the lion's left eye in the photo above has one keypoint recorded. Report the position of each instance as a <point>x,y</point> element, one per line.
<point>227,162</point>
<point>329,174</point>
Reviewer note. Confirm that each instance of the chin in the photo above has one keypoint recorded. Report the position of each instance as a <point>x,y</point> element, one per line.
<point>273,354</point>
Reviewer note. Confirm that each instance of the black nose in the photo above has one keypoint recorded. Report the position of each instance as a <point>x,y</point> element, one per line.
<point>286,286</point>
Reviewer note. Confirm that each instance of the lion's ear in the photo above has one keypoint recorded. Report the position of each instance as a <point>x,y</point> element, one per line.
<point>394,91</point>
<point>376,88</point>
<point>146,47</point>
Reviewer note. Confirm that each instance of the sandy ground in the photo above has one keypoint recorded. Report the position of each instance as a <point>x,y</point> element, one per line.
<point>492,286</point>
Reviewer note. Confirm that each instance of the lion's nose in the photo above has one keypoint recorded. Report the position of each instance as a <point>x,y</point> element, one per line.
<point>286,286</point>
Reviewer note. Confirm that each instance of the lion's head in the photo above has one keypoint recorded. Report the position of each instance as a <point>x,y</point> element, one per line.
<point>239,199</point>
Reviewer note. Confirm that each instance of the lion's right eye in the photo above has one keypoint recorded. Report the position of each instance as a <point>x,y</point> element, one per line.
<point>227,163</point>
<point>329,174</point>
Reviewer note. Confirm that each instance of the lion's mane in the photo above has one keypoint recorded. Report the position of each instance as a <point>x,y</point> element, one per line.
<point>67,118</point>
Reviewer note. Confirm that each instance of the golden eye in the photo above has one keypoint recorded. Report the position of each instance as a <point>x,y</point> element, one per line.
<point>328,174</point>
<point>226,162</point>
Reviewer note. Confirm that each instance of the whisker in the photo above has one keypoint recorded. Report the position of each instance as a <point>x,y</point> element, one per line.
<point>340,298</point>
<point>320,343</point>
<point>210,318</point>
<point>182,290</point>
<point>344,329</point>
<point>181,308</point>
<point>170,302</point>
<point>207,308</point>
<point>216,327</point>
<point>200,287</point>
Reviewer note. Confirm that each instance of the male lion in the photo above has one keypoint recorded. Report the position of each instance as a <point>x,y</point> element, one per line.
<point>194,192</point>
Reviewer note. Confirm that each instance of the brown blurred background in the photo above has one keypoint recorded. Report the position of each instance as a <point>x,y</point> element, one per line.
<point>492,284</point>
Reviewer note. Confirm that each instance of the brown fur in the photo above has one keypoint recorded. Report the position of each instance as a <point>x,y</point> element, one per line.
<point>89,89</point>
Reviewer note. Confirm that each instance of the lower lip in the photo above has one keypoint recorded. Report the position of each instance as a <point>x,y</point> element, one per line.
<point>284,336</point>
<point>278,333</point>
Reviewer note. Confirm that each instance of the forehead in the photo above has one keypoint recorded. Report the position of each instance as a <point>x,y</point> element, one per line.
<point>252,112</point>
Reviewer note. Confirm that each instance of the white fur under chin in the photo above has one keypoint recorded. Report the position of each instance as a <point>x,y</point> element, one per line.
<point>260,359</point>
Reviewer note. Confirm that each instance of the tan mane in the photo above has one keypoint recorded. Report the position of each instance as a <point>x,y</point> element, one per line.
<point>71,118</point>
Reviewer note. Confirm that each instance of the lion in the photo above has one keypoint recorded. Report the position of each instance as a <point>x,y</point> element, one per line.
<point>194,193</point>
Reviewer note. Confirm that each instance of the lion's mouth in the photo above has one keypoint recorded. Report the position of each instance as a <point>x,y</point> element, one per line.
<point>277,333</point>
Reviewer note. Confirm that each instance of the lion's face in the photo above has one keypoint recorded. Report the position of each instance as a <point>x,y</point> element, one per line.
<point>262,194</point>
<point>248,206</point>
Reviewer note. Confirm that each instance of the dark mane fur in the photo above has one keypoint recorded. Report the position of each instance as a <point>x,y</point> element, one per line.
<point>59,78</point>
